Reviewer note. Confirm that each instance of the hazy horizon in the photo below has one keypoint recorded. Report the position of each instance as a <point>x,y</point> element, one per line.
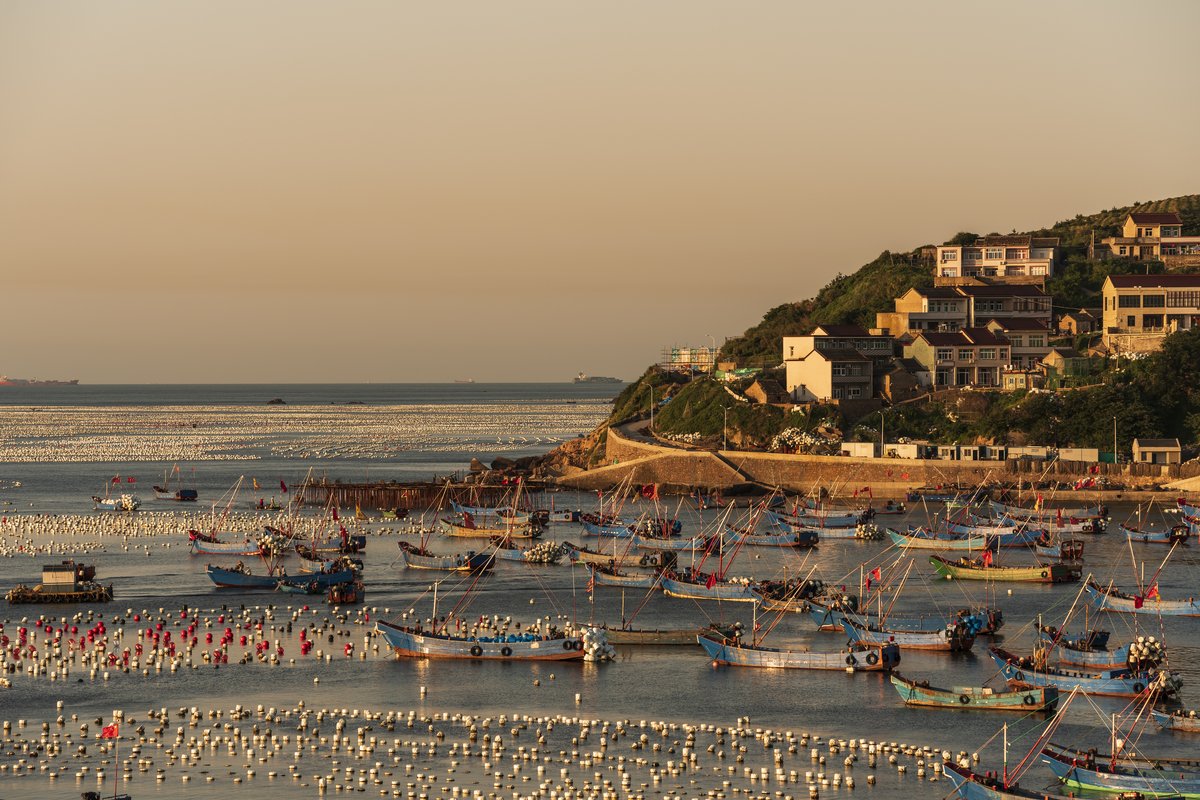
<point>380,192</point>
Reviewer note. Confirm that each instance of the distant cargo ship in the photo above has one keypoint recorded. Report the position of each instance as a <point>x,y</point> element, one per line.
<point>581,378</point>
<point>7,381</point>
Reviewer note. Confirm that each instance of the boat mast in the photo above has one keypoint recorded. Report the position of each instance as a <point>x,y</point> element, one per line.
<point>1006,754</point>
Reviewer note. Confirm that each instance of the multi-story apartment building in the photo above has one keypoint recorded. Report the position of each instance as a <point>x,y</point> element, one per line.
<point>1141,310</point>
<point>1158,237</point>
<point>998,258</point>
<point>950,308</point>
<point>1028,340</point>
<point>969,357</point>
<point>835,362</point>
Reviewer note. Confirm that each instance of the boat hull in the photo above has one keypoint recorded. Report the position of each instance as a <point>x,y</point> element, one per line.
<point>407,643</point>
<point>1123,604</point>
<point>1106,683</point>
<point>1042,698</point>
<point>1039,573</point>
<point>233,579</point>
<point>875,658</point>
<point>969,543</point>
<point>945,640</point>
<point>728,592</point>
<point>1085,771</point>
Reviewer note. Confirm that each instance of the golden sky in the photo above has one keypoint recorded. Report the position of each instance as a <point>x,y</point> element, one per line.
<point>206,191</point>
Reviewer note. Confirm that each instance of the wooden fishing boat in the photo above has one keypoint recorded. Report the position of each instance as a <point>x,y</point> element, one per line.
<point>415,557</point>
<point>975,698</point>
<point>976,570</point>
<point>411,642</point>
<point>814,519</point>
<point>1047,546</point>
<point>1113,600</point>
<point>797,538</point>
<point>954,638</point>
<point>970,785</point>
<point>1176,534</point>
<point>980,622</point>
<point>241,578</point>
<point>674,637</point>
<point>1179,720</point>
<point>469,530</point>
<point>699,586</point>
<point>1024,672</point>
<point>620,555</point>
<point>1048,514</point>
<point>1090,650</point>
<point>931,542</point>
<point>859,656</point>
<point>1158,777</point>
<point>204,544</point>
<point>609,576</point>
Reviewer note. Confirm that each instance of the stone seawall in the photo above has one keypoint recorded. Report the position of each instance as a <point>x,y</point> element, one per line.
<point>645,462</point>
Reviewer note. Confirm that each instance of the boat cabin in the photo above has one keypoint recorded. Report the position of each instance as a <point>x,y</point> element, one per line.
<point>66,577</point>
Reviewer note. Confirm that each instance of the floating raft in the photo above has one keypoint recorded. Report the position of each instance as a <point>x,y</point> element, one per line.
<point>94,593</point>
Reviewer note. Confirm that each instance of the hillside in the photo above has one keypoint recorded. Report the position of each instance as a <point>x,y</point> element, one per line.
<point>855,298</point>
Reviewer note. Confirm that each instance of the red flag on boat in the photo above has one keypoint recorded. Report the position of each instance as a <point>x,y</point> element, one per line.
<point>1058,517</point>
<point>109,731</point>
<point>1138,601</point>
<point>131,479</point>
<point>1152,592</point>
<point>283,487</point>
<point>335,516</point>
<point>987,558</point>
<point>468,520</point>
<point>711,582</point>
<point>116,479</point>
<point>877,574</point>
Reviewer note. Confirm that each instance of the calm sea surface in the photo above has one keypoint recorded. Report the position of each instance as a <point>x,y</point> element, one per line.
<point>670,684</point>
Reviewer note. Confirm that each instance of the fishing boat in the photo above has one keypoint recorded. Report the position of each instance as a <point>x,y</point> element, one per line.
<point>696,585</point>
<point>982,570</point>
<point>1000,535</point>
<point>1109,598</point>
<point>178,494</point>
<point>954,638</point>
<point>621,554</point>
<point>468,529</point>
<point>968,785</point>
<point>610,576</point>
<point>1089,650</point>
<point>673,637</point>
<point>859,655</point>
<point>797,538</point>
<point>416,557</point>
<point>1048,546</point>
<point>545,553</point>
<point>975,698</point>
<point>1143,777</point>
<point>1181,720</point>
<point>240,577</point>
<point>925,541</point>
<point>979,622</point>
<point>413,642</point>
<point>696,544</point>
<point>208,544</point>
<point>1023,672</point>
<point>1176,534</point>
<point>119,503</point>
<point>1097,512</point>
<point>813,519</point>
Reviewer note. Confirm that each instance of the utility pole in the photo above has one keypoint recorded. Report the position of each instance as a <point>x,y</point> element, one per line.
<point>725,430</point>
<point>1115,459</point>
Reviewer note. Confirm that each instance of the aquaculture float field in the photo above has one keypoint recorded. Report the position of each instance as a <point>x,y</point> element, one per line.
<point>198,705</point>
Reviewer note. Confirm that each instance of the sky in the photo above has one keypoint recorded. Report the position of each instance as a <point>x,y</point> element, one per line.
<point>230,191</point>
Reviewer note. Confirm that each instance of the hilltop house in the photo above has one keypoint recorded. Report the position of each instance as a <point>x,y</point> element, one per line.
<point>951,308</point>
<point>1153,236</point>
<point>1140,310</point>
<point>1157,451</point>
<point>1028,339</point>
<point>969,357</point>
<point>998,259</point>
<point>835,362</point>
<point>1074,323</point>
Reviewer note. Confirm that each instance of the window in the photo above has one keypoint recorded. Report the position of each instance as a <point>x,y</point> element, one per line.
<point>854,391</point>
<point>1003,353</point>
<point>1130,321</point>
<point>962,376</point>
<point>949,272</point>
<point>856,370</point>
<point>971,255</point>
<point>1035,341</point>
<point>838,393</point>
<point>1189,299</point>
<point>941,377</point>
<point>949,255</point>
<point>840,370</point>
<point>791,351</point>
<point>944,354</point>
<point>988,306</point>
<point>964,355</point>
<point>1037,270</point>
<point>987,354</point>
<point>1129,301</point>
<point>994,253</point>
<point>1152,321</point>
<point>1154,300</point>
<point>1018,341</point>
<point>1017,255</point>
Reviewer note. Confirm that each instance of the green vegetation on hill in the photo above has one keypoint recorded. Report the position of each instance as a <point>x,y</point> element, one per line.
<point>857,297</point>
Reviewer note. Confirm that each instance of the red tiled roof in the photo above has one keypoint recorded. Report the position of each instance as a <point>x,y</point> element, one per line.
<point>1145,218</point>
<point>983,336</point>
<point>1174,281</point>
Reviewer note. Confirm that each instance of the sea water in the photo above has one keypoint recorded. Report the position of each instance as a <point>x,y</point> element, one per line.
<point>677,685</point>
